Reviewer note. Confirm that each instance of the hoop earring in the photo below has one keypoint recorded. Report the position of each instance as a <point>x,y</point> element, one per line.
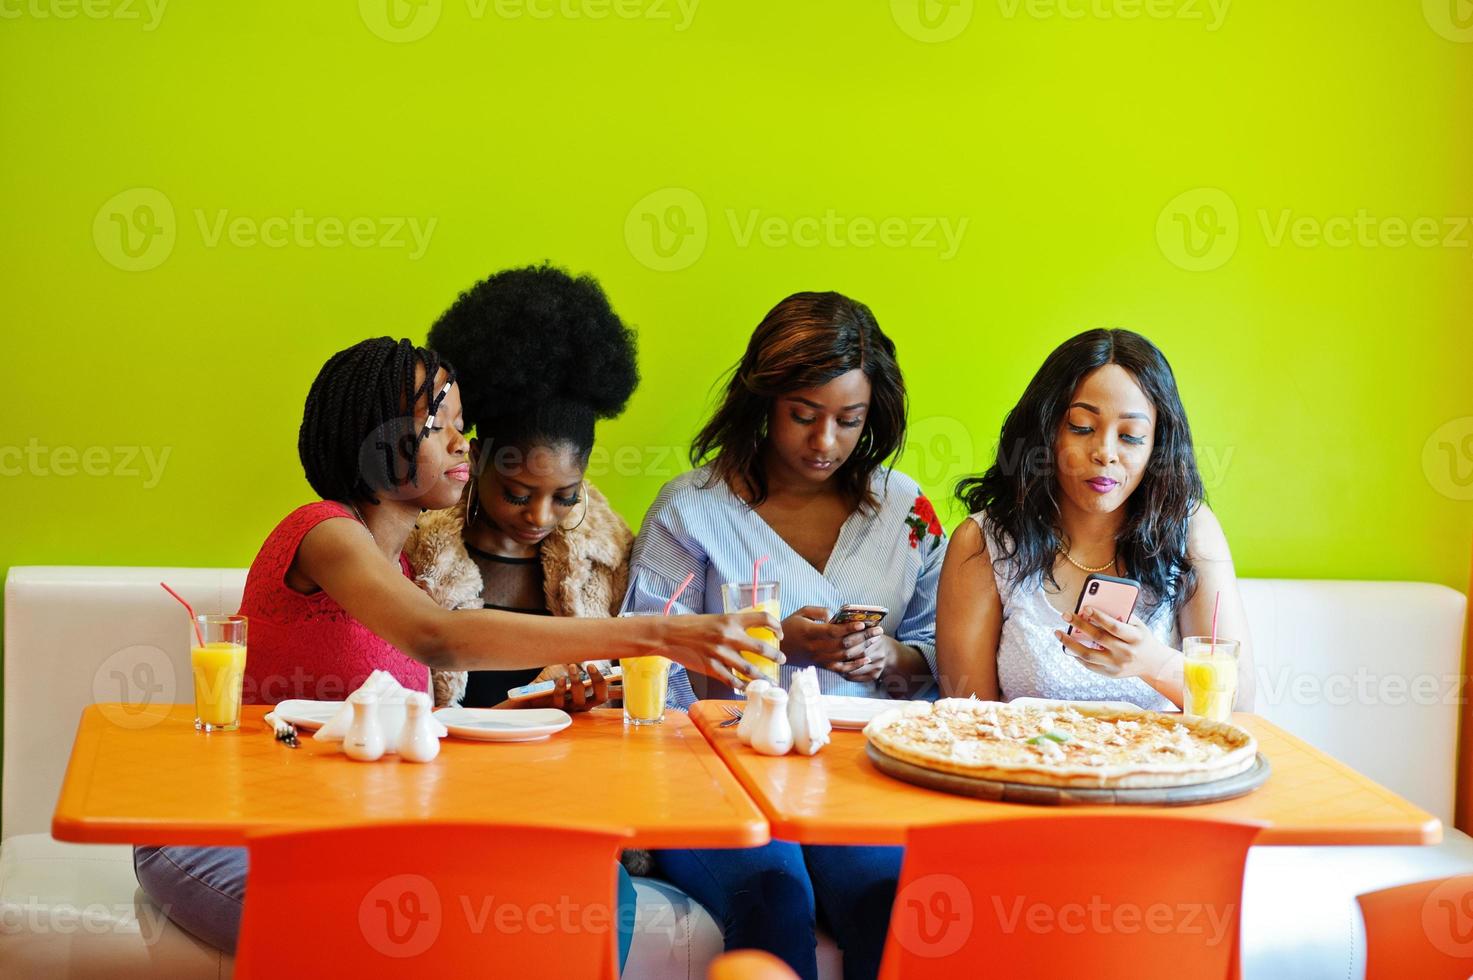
<point>581,519</point>
<point>473,502</point>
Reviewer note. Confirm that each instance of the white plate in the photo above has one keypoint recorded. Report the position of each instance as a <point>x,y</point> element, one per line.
<point>504,725</point>
<point>851,713</point>
<point>310,715</point>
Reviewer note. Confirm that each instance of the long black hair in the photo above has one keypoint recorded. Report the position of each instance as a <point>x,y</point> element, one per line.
<point>358,436</point>
<point>806,341</point>
<point>1019,492</point>
<point>541,356</point>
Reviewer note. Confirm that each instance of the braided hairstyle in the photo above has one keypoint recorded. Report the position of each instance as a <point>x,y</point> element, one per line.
<point>542,355</point>
<point>359,437</point>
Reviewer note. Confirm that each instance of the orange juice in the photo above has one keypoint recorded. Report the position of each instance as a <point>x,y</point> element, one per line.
<point>1210,678</point>
<point>646,680</point>
<point>219,668</point>
<point>766,665</point>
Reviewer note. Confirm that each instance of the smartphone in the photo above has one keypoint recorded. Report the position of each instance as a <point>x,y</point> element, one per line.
<point>852,613</point>
<point>1110,595</point>
<point>530,692</point>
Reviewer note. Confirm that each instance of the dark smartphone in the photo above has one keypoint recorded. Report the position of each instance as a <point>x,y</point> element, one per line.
<point>852,613</point>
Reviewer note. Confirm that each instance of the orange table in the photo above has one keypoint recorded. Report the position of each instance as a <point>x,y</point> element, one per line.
<point>838,797</point>
<point>153,779</point>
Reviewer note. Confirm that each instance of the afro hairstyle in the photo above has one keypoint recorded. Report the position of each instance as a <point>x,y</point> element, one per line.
<point>540,356</point>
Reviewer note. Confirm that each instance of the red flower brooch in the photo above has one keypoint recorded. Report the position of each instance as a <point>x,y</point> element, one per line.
<point>924,524</point>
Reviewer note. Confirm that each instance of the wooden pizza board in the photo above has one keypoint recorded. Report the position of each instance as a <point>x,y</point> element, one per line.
<point>1004,792</point>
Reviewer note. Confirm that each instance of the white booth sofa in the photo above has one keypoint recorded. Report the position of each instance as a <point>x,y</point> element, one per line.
<point>78,635</point>
<point>1345,665</point>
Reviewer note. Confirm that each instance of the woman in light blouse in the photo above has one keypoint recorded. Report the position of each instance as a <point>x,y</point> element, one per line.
<point>796,472</point>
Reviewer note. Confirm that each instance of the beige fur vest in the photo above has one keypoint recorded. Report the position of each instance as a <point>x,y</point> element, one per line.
<point>585,570</point>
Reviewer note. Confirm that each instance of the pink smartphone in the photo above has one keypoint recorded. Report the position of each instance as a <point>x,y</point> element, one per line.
<point>1110,595</point>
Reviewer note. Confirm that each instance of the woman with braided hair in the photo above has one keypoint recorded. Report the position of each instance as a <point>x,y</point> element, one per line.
<point>542,355</point>
<point>331,596</point>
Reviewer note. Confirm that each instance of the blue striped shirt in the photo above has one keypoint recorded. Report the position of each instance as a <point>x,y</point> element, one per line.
<point>889,558</point>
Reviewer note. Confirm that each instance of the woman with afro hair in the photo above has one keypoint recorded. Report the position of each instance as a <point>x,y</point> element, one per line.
<point>541,356</point>
<point>331,599</point>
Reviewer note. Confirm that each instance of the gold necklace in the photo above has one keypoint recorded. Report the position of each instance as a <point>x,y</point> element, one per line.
<point>1085,568</point>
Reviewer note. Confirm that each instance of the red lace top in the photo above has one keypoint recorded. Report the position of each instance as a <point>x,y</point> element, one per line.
<point>307,646</point>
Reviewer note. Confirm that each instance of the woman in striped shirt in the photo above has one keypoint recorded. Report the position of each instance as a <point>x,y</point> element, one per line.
<point>796,474</point>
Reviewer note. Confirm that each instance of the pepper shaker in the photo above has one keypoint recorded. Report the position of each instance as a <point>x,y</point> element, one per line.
<point>752,713</point>
<point>773,734</point>
<point>365,739</point>
<point>419,742</point>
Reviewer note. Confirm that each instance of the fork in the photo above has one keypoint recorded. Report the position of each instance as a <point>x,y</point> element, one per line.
<point>286,733</point>
<point>733,715</point>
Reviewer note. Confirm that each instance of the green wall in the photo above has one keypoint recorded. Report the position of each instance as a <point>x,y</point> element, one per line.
<point>1319,331</point>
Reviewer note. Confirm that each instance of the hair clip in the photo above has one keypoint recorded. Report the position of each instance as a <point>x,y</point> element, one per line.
<point>435,408</point>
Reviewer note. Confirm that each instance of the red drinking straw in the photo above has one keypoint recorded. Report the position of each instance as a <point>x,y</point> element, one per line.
<point>193,621</point>
<point>756,569</point>
<point>676,594</point>
<point>1215,604</point>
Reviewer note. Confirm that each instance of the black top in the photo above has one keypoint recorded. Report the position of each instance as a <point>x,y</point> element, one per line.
<point>487,688</point>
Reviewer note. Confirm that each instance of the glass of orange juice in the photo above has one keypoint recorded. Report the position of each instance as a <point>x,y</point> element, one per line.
<point>219,671</point>
<point>740,597</point>
<point>646,683</point>
<point>1210,677</point>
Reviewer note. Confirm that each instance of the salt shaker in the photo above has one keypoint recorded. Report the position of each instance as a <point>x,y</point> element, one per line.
<point>365,738</point>
<point>773,734</point>
<point>418,742</point>
<point>752,714</point>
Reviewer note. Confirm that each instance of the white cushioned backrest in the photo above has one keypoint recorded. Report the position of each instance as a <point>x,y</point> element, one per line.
<point>76,635</point>
<point>1367,672</point>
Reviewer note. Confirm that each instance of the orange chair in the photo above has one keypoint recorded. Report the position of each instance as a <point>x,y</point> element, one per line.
<point>431,899</point>
<point>1423,930</point>
<point>749,964</point>
<point>1069,894</point>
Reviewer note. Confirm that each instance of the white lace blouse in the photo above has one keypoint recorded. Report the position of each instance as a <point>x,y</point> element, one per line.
<point>1032,663</point>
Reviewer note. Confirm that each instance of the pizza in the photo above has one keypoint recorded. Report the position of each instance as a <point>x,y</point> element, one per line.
<point>1065,744</point>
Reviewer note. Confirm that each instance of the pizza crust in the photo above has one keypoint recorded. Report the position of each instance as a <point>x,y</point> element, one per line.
<point>1102,747</point>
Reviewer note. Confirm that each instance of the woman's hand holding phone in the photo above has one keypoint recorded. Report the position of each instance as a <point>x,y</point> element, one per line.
<point>575,688</point>
<point>810,638</point>
<point>1127,649</point>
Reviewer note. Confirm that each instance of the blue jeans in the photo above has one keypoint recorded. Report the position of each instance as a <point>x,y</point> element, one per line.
<point>771,897</point>
<point>201,889</point>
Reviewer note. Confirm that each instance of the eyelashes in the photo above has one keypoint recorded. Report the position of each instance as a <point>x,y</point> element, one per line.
<point>1084,430</point>
<point>525,500</point>
<point>845,423</point>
